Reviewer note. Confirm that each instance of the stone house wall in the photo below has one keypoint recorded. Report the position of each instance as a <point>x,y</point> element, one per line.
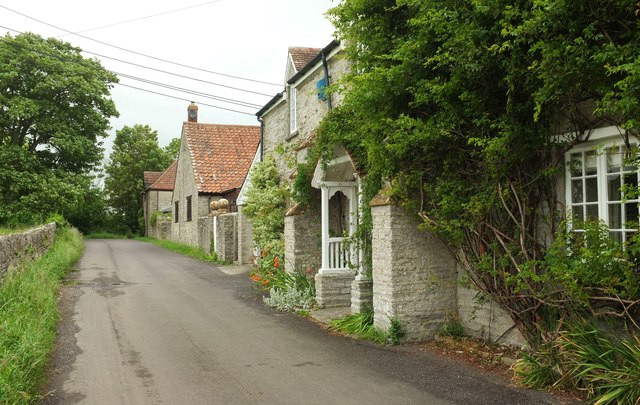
<point>185,231</point>
<point>28,244</point>
<point>155,200</point>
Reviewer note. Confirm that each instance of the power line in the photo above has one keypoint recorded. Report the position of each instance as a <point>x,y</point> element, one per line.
<point>144,18</point>
<point>178,74</point>
<point>138,53</point>
<point>223,99</point>
<point>163,71</point>
<point>185,90</point>
<point>185,99</point>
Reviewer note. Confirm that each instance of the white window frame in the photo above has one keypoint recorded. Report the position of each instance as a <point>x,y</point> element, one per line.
<point>293,119</point>
<point>604,200</point>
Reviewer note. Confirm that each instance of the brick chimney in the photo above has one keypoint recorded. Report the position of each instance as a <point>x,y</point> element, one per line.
<point>192,112</point>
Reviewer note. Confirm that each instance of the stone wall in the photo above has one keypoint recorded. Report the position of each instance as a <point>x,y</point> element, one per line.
<point>414,275</point>
<point>226,237</point>
<point>29,244</point>
<point>333,289</point>
<point>302,240</point>
<point>205,233</point>
<point>245,238</point>
<point>484,319</point>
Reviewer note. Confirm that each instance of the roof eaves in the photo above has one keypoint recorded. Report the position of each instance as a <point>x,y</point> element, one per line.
<point>326,50</point>
<point>269,104</point>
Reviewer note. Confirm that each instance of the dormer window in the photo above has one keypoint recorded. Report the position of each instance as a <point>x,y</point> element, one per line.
<point>293,119</point>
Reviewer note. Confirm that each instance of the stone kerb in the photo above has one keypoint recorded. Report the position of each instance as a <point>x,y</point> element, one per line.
<point>414,274</point>
<point>25,245</point>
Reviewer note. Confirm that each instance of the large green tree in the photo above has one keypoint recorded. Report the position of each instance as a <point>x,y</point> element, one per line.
<point>135,150</point>
<point>456,102</point>
<point>54,110</point>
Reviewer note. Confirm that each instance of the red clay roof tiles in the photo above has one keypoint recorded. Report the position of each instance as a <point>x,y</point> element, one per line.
<point>150,178</point>
<point>302,56</point>
<point>221,154</point>
<point>166,179</point>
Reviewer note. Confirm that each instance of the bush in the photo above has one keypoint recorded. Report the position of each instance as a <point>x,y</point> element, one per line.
<point>606,368</point>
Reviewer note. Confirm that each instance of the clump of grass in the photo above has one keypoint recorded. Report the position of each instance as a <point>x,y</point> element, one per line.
<point>183,249</point>
<point>12,230</point>
<point>583,357</point>
<point>28,317</point>
<point>360,325</point>
<point>453,329</point>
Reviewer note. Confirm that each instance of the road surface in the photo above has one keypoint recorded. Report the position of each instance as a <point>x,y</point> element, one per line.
<point>141,325</point>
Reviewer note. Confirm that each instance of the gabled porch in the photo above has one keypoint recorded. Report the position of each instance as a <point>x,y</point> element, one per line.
<point>340,271</point>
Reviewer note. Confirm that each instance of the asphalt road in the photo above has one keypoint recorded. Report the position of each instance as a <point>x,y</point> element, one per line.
<point>141,325</point>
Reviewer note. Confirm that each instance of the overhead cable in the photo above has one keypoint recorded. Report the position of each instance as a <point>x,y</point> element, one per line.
<point>137,53</point>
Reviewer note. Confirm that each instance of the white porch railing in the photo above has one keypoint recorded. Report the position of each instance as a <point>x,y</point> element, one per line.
<point>338,254</point>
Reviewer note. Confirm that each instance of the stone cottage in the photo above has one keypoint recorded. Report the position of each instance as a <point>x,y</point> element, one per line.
<point>158,192</point>
<point>414,278</point>
<point>212,165</point>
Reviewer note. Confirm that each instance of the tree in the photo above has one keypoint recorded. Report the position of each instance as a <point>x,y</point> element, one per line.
<point>455,103</point>
<point>135,150</point>
<point>173,148</point>
<point>54,108</point>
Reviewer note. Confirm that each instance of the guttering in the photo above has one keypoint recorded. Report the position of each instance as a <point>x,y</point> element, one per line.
<point>326,77</point>
<point>269,104</point>
<point>260,146</point>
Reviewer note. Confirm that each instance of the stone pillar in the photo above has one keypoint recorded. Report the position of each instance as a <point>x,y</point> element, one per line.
<point>414,274</point>
<point>302,240</point>
<point>361,294</point>
<point>205,225</point>
<point>245,238</point>
<point>226,237</point>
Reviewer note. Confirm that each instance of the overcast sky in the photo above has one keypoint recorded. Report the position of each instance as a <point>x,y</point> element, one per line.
<point>244,38</point>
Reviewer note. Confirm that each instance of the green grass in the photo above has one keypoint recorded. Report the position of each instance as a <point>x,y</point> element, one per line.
<point>181,248</point>
<point>360,325</point>
<point>9,231</point>
<point>28,317</point>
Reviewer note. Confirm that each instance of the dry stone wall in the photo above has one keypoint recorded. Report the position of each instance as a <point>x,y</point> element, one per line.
<point>29,244</point>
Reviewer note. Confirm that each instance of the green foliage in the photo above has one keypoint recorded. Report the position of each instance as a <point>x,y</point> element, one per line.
<point>173,149</point>
<point>135,150</point>
<point>454,104</point>
<point>265,204</point>
<point>360,325</point>
<point>452,328</point>
<point>54,108</point>
<point>28,317</point>
<point>603,365</point>
<point>183,249</point>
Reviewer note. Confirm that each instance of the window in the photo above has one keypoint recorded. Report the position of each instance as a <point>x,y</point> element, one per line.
<point>176,210</point>
<point>189,208</point>
<point>596,183</point>
<point>293,121</point>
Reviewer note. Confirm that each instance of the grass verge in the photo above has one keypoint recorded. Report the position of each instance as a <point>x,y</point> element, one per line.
<point>181,248</point>
<point>28,317</point>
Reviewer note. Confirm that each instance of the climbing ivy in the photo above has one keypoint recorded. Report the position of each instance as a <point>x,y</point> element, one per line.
<point>455,103</point>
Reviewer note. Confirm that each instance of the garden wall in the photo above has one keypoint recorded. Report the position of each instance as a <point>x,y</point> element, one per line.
<point>25,245</point>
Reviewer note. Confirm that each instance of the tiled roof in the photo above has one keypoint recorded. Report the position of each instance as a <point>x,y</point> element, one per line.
<point>302,56</point>
<point>150,178</point>
<point>221,154</point>
<point>166,179</point>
